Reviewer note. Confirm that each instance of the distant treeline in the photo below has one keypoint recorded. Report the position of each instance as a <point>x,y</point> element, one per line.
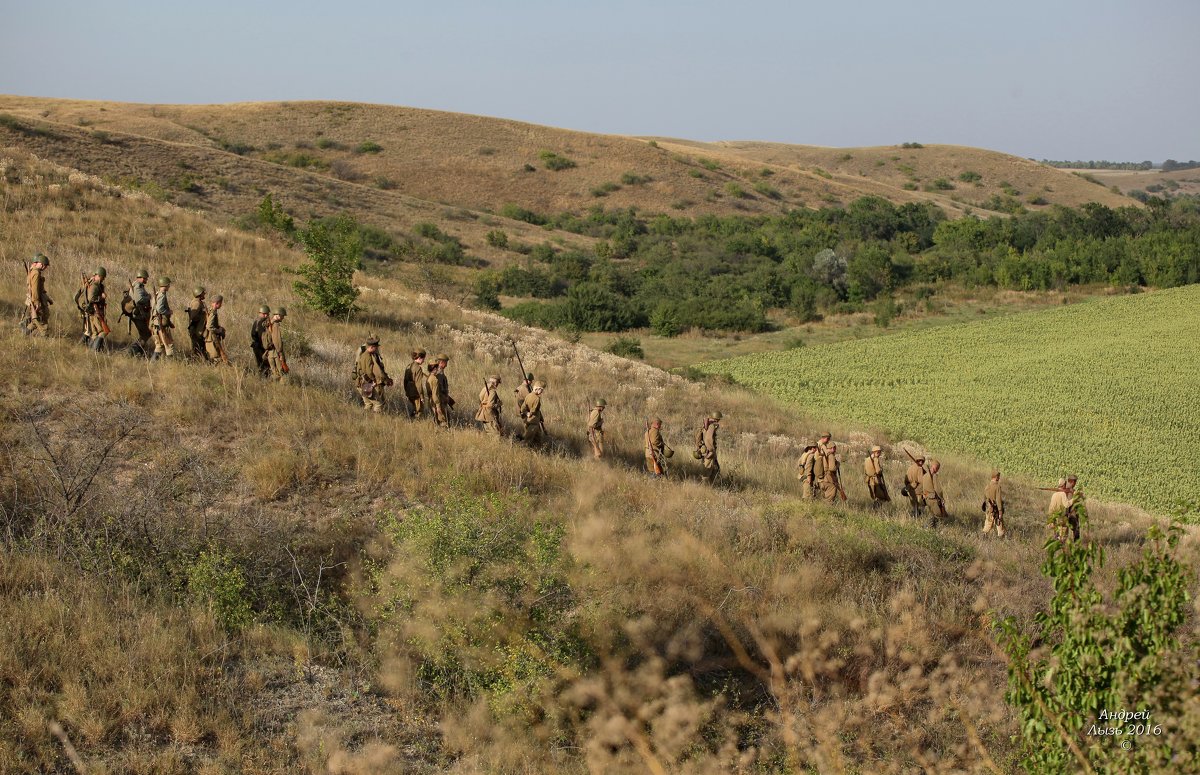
<point>1167,166</point>
<point>726,273</point>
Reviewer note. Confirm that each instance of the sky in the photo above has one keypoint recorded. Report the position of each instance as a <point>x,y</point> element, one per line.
<point>1056,79</point>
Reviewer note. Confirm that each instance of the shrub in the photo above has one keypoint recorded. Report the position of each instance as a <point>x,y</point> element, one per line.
<point>912,145</point>
<point>734,190</point>
<point>368,146</point>
<point>497,239</point>
<point>334,250</point>
<point>626,347</point>
<point>555,162</point>
<point>325,143</point>
<point>296,159</point>
<point>487,293</point>
<point>1096,656</point>
<point>518,213</point>
<point>344,170</point>
<point>712,165</point>
<point>969,176</point>
<point>939,184</point>
<point>634,179</point>
<point>767,190</point>
<point>664,321</point>
<point>604,189</point>
<point>213,580</point>
<point>384,183</point>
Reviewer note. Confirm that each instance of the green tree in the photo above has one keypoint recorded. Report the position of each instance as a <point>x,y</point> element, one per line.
<point>334,249</point>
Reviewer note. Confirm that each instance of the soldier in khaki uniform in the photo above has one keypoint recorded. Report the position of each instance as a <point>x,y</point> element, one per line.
<point>657,451</point>
<point>531,413</point>
<point>993,506</point>
<point>523,390</point>
<point>139,314</point>
<point>804,470</point>
<point>196,316</point>
<point>37,301</point>
<point>873,473</point>
<point>416,385</point>
<point>931,494</point>
<point>160,321</point>
<point>439,391</point>
<point>1062,510</point>
<point>257,329</point>
<point>214,332</point>
<point>595,428</point>
<point>272,344</point>
<point>93,300</point>
<point>370,377</point>
<point>490,406</point>
<point>912,483</point>
<point>831,479</point>
<point>706,447</point>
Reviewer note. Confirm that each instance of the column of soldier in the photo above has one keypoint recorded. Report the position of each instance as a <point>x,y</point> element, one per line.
<point>427,392</point>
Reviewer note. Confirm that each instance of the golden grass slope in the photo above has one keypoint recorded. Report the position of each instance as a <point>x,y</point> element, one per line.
<point>482,163</point>
<point>673,584</point>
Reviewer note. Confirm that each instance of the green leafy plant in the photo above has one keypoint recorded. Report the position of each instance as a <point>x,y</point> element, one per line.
<point>1094,655</point>
<point>334,249</point>
<point>555,162</point>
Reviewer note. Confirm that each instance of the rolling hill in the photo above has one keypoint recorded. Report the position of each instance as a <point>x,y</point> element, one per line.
<point>480,163</point>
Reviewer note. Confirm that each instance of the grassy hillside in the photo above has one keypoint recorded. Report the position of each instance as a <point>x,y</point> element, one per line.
<point>1102,388</point>
<point>208,573</point>
<point>482,163</point>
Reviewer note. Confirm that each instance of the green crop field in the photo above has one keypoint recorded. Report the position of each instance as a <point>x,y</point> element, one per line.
<point>1108,389</point>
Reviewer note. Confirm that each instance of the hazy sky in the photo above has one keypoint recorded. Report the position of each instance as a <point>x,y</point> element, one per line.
<point>1077,79</point>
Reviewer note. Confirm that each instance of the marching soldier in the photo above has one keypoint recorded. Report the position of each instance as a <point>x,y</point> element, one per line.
<point>595,428</point>
<point>805,470</point>
<point>831,479</point>
<point>37,301</point>
<point>160,322</point>
<point>523,390</point>
<point>214,332</point>
<point>706,447</point>
<point>531,412</point>
<point>931,494</point>
<point>993,506</point>
<point>439,391</point>
<point>657,451</point>
<point>93,302</point>
<point>416,386</point>
<point>816,472</point>
<point>257,329</point>
<point>196,316</point>
<point>370,377</point>
<point>1063,509</point>
<point>139,313</point>
<point>272,344</point>
<point>490,405</point>
<point>912,483</point>
<point>873,473</point>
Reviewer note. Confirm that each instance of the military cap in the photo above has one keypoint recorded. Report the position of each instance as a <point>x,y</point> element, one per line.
<point>373,340</point>
<point>933,462</point>
<point>164,282</point>
<point>995,472</point>
<point>876,448</point>
<point>825,435</point>
<point>442,357</point>
<point>529,377</point>
<point>920,458</point>
<point>715,416</point>
<point>101,272</point>
<point>264,309</point>
<point>539,384</point>
<point>198,291</point>
<point>1072,478</point>
<point>601,402</point>
<point>494,378</point>
<point>1062,482</point>
<point>143,274</point>
<point>218,297</point>
<point>281,312</point>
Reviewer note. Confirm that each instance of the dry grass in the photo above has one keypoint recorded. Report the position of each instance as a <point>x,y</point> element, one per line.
<point>478,163</point>
<point>730,629</point>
